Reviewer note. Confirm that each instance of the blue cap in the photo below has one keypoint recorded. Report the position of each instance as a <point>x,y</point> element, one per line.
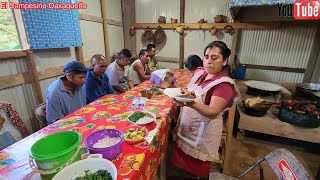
<point>75,66</point>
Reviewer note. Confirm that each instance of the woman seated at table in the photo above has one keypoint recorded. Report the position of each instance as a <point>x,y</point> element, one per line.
<point>199,129</point>
<point>139,71</point>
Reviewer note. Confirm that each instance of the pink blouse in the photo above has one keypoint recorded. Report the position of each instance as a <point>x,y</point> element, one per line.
<point>224,90</point>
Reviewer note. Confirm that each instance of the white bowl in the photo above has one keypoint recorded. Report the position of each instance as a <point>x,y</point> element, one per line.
<point>78,168</point>
<point>144,120</point>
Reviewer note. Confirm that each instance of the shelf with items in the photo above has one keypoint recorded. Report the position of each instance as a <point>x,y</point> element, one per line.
<point>207,26</point>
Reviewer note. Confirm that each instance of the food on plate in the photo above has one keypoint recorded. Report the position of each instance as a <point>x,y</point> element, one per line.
<point>135,134</point>
<point>155,90</point>
<point>138,115</point>
<point>106,142</point>
<point>100,174</point>
<point>257,103</point>
<point>147,93</point>
<point>187,94</point>
<point>302,107</point>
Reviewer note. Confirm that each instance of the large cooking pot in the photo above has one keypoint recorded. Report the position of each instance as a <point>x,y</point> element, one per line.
<point>261,88</point>
<point>298,119</point>
<point>307,90</point>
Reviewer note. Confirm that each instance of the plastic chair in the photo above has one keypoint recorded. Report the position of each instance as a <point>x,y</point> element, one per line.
<point>283,163</point>
<point>39,113</point>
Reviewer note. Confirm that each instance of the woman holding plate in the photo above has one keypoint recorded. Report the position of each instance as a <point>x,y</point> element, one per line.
<point>198,133</point>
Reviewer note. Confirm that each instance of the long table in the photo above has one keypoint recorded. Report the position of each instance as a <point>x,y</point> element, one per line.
<point>110,111</point>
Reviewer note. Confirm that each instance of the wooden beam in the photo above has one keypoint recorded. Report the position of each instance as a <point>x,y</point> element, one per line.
<point>24,78</point>
<point>20,28</point>
<point>56,71</point>
<point>125,24</point>
<point>87,63</point>
<point>181,42</point>
<point>208,26</point>
<point>313,57</point>
<point>31,64</point>
<point>233,47</point>
<point>51,72</point>
<point>168,59</point>
<point>87,17</point>
<point>79,54</point>
<point>229,126</point>
<point>275,68</point>
<point>133,20</point>
<point>14,80</point>
<point>105,28</point>
<point>13,54</point>
<point>113,22</point>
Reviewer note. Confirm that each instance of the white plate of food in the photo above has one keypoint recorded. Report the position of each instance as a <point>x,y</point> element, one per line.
<point>90,167</point>
<point>262,85</point>
<point>181,94</point>
<point>142,117</point>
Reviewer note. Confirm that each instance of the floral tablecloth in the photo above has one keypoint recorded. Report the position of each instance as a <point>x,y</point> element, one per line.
<point>139,161</point>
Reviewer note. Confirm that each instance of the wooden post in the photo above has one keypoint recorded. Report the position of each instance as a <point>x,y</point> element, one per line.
<point>233,48</point>
<point>312,58</point>
<point>79,54</point>
<point>182,13</point>
<point>31,65</point>
<point>229,124</point>
<point>128,18</point>
<point>105,28</point>
<point>133,20</point>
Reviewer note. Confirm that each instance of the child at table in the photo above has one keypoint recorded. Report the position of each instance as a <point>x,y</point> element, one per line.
<point>163,78</point>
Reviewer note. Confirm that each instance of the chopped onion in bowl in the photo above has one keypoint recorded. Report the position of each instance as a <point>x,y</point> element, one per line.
<point>106,142</point>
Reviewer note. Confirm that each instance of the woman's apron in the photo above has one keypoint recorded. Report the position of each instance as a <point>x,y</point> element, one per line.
<point>195,134</point>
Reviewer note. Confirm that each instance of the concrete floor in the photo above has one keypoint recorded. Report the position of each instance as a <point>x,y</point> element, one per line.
<point>254,147</point>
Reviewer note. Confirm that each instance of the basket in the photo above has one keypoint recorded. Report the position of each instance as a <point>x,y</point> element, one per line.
<point>111,152</point>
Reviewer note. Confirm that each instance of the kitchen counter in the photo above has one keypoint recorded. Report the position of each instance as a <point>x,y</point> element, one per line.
<point>270,124</point>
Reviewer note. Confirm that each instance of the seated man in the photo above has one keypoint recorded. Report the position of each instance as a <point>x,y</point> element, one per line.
<point>152,63</point>
<point>97,82</point>
<point>118,72</point>
<point>139,71</point>
<point>67,93</point>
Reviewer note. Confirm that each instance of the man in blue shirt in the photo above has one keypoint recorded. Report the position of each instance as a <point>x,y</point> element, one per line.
<point>97,82</point>
<point>67,94</point>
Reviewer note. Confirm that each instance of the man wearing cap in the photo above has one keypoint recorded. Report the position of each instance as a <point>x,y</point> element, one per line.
<point>97,82</point>
<point>67,94</point>
<point>118,72</point>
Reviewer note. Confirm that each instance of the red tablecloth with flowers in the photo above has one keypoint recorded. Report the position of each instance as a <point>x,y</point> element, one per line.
<point>139,161</point>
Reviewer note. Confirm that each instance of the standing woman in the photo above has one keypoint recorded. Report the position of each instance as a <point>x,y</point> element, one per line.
<point>198,133</point>
<point>139,71</point>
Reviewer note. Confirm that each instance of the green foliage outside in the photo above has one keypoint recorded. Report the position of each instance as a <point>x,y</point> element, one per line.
<point>9,38</point>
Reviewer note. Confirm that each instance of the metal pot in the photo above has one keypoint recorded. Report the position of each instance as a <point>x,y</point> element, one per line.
<point>162,19</point>
<point>219,19</point>
<point>306,90</point>
<point>310,86</point>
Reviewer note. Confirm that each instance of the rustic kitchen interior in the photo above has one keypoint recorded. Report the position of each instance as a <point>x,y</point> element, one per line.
<point>274,60</point>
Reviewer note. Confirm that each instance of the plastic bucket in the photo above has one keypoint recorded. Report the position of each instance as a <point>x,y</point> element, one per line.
<point>54,152</point>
